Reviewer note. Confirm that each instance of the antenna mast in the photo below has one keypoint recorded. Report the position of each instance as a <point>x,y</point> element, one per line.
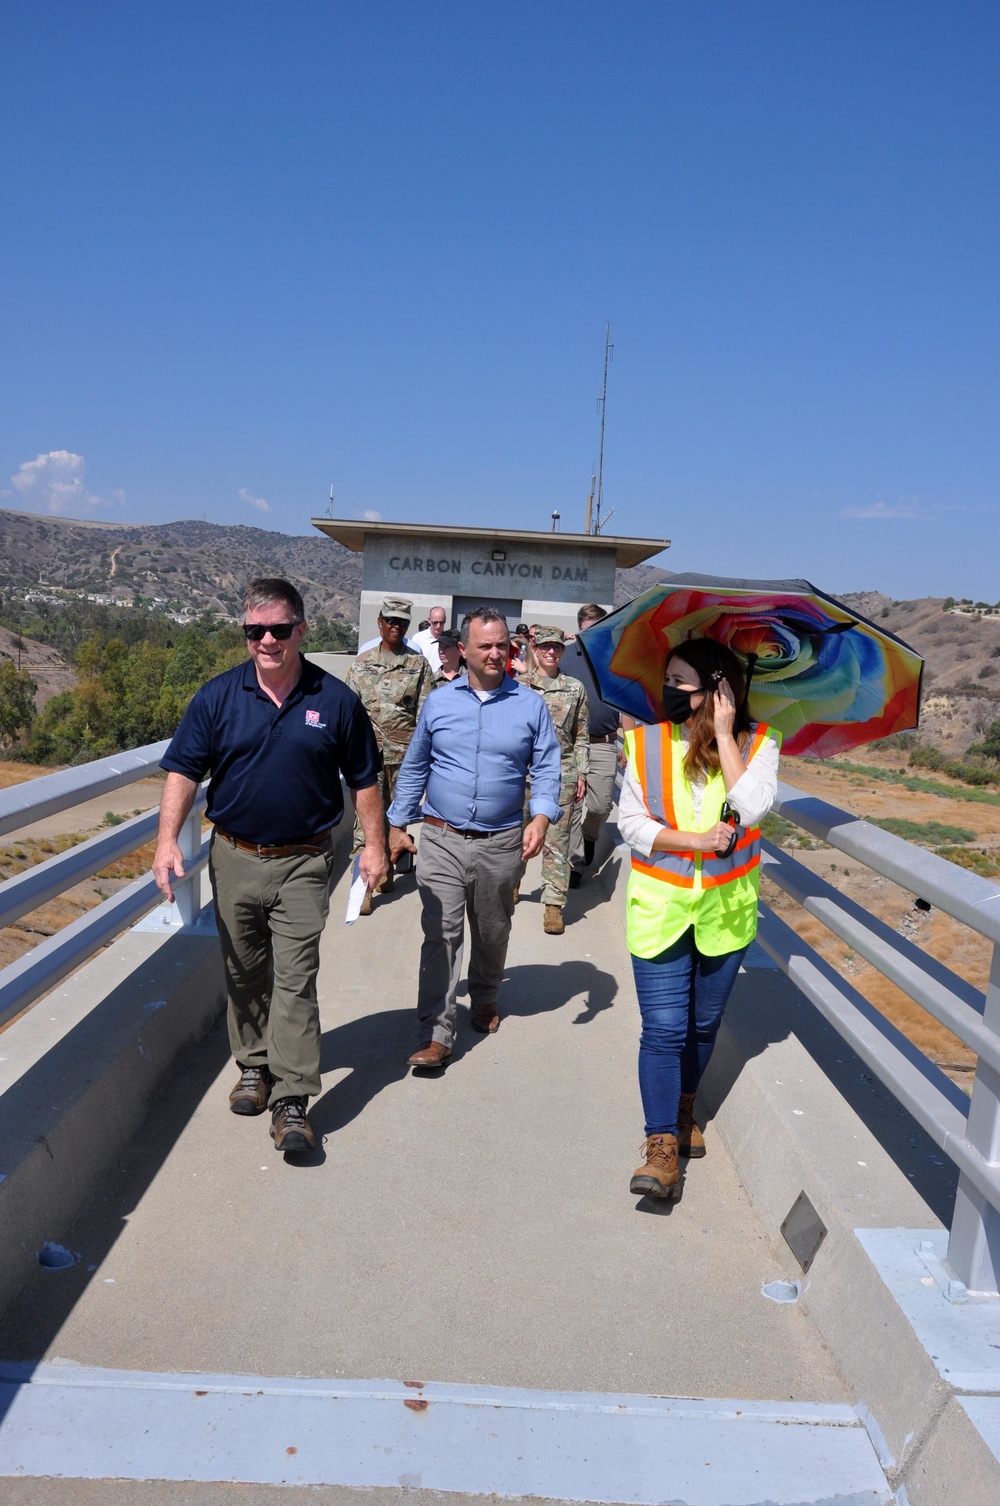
<point>602,402</point>
<point>329,508</point>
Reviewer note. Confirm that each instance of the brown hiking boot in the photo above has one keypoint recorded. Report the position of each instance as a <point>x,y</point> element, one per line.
<point>660,1177</point>
<point>690,1141</point>
<point>553,924</point>
<point>251,1093</point>
<point>366,903</point>
<point>290,1129</point>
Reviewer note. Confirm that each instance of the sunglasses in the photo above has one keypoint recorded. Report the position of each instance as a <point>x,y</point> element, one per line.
<point>254,631</point>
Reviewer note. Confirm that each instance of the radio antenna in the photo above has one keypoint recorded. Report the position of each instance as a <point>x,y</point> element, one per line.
<point>329,505</point>
<point>602,403</point>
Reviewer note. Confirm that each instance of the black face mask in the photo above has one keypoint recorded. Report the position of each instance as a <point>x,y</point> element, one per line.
<point>677,703</point>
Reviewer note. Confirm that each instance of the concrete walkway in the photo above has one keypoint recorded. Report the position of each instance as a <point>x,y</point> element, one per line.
<point>471,1227</point>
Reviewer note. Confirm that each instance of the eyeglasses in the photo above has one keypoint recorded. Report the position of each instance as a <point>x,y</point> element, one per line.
<point>254,631</point>
<point>400,622</point>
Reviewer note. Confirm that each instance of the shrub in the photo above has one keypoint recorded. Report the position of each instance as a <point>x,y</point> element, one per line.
<point>926,757</point>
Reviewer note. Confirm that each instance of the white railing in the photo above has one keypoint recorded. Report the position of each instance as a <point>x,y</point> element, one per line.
<point>45,965</point>
<point>968,1131</point>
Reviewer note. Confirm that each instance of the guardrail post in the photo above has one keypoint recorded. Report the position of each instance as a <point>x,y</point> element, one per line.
<point>974,1246</point>
<point>188,891</point>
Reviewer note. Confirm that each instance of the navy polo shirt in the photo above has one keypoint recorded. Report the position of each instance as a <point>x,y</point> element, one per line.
<point>275,770</point>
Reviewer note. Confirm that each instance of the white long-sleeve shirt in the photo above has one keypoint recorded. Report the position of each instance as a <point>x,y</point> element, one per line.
<point>752,795</point>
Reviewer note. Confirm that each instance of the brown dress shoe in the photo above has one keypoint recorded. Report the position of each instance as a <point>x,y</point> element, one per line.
<point>690,1141</point>
<point>485,1019</point>
<point>661,1176</point>
<point>251,1093</point>
<point>290,1129</point>
<point>553,924</point>
<point>431,1055</point>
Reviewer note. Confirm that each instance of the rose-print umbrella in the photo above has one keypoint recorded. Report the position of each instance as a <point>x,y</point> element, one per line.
<point>825,677</point>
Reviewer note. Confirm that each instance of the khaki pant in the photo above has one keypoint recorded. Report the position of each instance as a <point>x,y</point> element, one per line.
<point>590,816</point>
<point>459,876</point>
<point>387,789</point>
<point>270,914</point>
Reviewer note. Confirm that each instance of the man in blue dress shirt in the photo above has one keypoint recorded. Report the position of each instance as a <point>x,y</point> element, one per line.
<point>275,734</point>
<point>470,755</point>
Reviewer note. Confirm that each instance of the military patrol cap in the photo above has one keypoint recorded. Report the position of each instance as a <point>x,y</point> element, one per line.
<point>396,606</point>
<point>450,638</point>
<point>545,635</point>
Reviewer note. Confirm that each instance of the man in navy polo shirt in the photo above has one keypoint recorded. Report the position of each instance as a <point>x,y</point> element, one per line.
<point>274,734</point>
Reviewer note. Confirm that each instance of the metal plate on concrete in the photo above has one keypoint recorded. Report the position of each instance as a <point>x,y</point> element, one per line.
<point>804,1231</point>
<point>73,1422</point>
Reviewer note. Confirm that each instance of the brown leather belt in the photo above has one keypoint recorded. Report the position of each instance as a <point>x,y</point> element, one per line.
<point>459,832</point>
<point>281,850</point>
<point>606,737</point>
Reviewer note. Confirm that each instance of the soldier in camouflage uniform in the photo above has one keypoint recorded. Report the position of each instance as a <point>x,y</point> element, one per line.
<point>451,659</point>
<point>393,682</point>
<point>567,703</point>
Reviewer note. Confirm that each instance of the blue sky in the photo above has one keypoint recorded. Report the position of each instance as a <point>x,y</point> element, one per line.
<point>251,249</point>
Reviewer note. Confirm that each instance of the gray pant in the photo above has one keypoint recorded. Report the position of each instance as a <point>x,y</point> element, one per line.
<point>271,913</point>
<point>459,876</point>
<point>590,815</point>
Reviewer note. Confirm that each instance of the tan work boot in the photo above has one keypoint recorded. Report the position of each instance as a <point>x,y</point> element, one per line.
<point>690,1141</point>
<point>366,903</point>
<point>661,1175</point>
<point>553,925</point>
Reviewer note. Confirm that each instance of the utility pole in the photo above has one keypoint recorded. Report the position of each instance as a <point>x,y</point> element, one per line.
<point>590,500</point>
<point>602,401</point>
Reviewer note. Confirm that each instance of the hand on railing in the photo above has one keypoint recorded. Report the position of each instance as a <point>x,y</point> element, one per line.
<point>167,859</point>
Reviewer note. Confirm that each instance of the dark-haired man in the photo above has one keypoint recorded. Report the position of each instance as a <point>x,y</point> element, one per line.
<point>470,754</point>
<point>274,734</point>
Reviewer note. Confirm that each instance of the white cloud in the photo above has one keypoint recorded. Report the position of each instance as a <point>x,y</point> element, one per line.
<point>371,516</point>
<point>880,509</point>
<point>257,502</point>
<point>54,483</point>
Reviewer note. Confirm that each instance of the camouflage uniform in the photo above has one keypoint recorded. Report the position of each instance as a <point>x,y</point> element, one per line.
<point>392,687</point>
<point>442,679</point>
<point>567,703</point>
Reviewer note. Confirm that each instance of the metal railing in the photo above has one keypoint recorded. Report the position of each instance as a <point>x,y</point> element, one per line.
<point>967,1130</point>
<point>47,964</point>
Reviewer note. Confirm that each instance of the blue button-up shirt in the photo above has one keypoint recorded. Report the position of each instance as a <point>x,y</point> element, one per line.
<point>472,756</point>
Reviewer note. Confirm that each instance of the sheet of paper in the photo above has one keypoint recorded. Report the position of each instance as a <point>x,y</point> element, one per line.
<point>356,896</point>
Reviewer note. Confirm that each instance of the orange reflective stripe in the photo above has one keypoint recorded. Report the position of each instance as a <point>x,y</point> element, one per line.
<point>715,880</point>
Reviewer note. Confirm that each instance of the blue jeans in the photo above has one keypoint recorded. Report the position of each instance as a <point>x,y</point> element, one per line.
<point>682,995</point>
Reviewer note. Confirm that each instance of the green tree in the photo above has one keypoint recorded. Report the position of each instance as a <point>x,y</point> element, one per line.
<point>17,701</point>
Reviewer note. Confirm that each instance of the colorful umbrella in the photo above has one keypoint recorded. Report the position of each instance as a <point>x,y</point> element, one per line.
<point>828,679</point>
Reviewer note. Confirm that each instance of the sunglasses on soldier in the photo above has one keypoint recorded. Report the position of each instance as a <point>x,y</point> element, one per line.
<point>254,631</point>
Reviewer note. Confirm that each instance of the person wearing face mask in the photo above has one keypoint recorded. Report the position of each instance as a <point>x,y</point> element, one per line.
<point>694,790</point>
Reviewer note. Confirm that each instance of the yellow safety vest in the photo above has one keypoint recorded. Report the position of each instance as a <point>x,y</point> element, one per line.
<point>670,891</point>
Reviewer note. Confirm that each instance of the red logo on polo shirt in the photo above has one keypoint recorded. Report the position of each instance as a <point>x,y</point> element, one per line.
<point>312,717</point>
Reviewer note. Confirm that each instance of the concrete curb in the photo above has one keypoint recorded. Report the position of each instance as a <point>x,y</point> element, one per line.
<point>798,1111</point>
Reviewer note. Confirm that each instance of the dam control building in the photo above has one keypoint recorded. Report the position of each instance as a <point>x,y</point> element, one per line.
<point>529,576</point>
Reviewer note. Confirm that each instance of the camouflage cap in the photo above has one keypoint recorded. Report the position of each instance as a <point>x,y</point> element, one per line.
<point>545,635</point>
<point>396,606</point>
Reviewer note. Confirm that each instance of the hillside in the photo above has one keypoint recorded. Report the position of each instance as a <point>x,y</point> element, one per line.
<point>190,565</point>
<point>193,565</point>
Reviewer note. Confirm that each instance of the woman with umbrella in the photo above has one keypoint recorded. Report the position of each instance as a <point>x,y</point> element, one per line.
<point>694,790</point>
